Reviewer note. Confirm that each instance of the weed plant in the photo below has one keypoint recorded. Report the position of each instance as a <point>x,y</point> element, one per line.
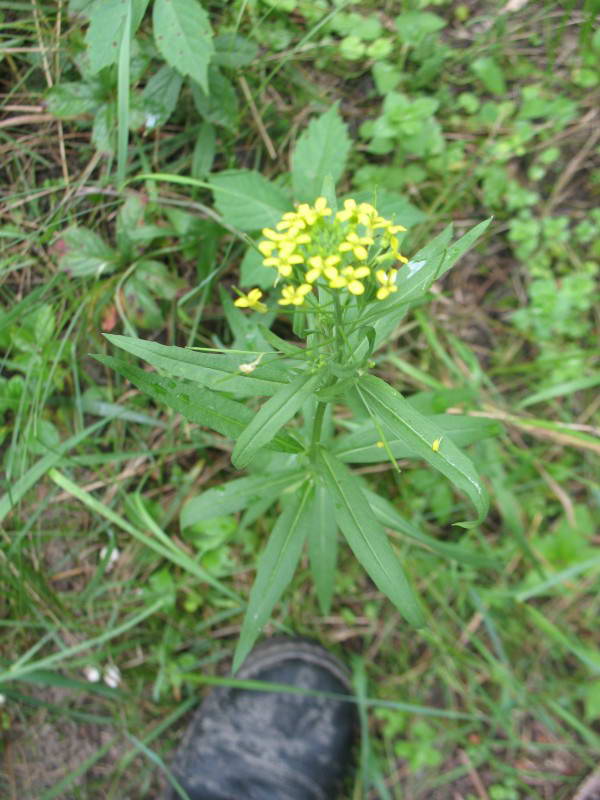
<point>145,145</point>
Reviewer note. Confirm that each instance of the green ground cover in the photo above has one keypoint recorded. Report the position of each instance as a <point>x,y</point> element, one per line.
<point>118,146</point>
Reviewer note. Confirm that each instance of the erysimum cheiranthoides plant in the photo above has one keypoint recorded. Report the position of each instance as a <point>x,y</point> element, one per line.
<point>341,276</point>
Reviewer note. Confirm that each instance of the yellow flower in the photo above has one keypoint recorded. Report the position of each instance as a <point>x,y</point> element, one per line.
<point>393,243</point>
<point>266,247</point>
<point>310,214</point>
<point>268,233</point>
<point>294,295</point>
<point>348,212</point>
<point>355,244</point>
<point>320,265</point>
<point>251,300</point>
<point>283,264</point>
<point>348,278</point>
<point>291,220</point>
<point>366,213</point>
<point>387,281</point>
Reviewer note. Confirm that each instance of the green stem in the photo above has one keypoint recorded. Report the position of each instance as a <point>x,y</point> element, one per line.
<point>317,428</point>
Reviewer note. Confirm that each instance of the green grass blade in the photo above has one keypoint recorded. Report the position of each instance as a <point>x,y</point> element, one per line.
<point>161,543</point>
<point>9,500</point>
<point>123,76</point>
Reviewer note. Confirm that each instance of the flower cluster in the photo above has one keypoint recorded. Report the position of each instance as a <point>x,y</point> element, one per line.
<point>346,251</point>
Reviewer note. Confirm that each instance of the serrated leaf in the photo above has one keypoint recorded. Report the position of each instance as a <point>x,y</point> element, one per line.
<point>272,416</point>
<point>160,95</point>
<point>218,371</point>
<point>236,495</point>
<point>321,150</point>
<point>183,35</point>
<point>71,100</point>
<point>107,24</point>
<point>402,421</point>
<point>233,51</point>
<point>322,545</point>
<point>367,538</point>
<point>247,200</point>
<point>104,129</point>
<point>84,253</point>
<point>220,104</point>
<point>275,570</point>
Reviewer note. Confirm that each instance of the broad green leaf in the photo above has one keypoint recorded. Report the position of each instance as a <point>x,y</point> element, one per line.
<point>204,151</point>
<point>360,447</point>
<point>107,23</point>
<point>220,104</point>
<point>489,73</point>
<point>160,96</point>
<point>322,545</point>
<point>199,405</point>
<point>234,51</point>
<point>247,200</point>
<point>218,371</point>
<point>402,421</point>
<point>320,151</point>
<point>278,410</point>
<point>387,514</point>
<point>71,99</point>
<point>367,538</point>
<point>236,495</point>
<point>183,36</point>
<point>275,570</point>
<point>84,253</point>
<point>253,272</point>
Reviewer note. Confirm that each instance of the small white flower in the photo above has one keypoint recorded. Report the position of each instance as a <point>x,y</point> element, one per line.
<point>92,674</point>
<point>113,558</point>
<point>151,120</point>
<point>112,677</point>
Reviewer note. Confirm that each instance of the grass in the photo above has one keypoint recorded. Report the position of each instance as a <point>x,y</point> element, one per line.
<point>499,696</point>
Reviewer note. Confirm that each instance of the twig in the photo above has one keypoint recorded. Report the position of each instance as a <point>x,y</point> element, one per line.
<point>256,117</point>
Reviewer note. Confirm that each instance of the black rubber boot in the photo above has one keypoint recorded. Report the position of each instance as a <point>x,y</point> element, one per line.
<point>253,745</point>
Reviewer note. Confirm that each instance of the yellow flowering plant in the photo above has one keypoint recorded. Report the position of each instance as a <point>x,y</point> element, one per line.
<point>338,273</point>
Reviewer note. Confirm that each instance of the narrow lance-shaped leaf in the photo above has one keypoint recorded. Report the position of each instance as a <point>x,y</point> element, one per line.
<point>322,545</point>
<point>367,538</point>
<point>219,371</point>
<point>237,494</point>
<point>275,570</point>
<point>361,446</point>
<point>402,421</point>
<point>203,406</point>
<point>273,415</point>
<point>389,517</point>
